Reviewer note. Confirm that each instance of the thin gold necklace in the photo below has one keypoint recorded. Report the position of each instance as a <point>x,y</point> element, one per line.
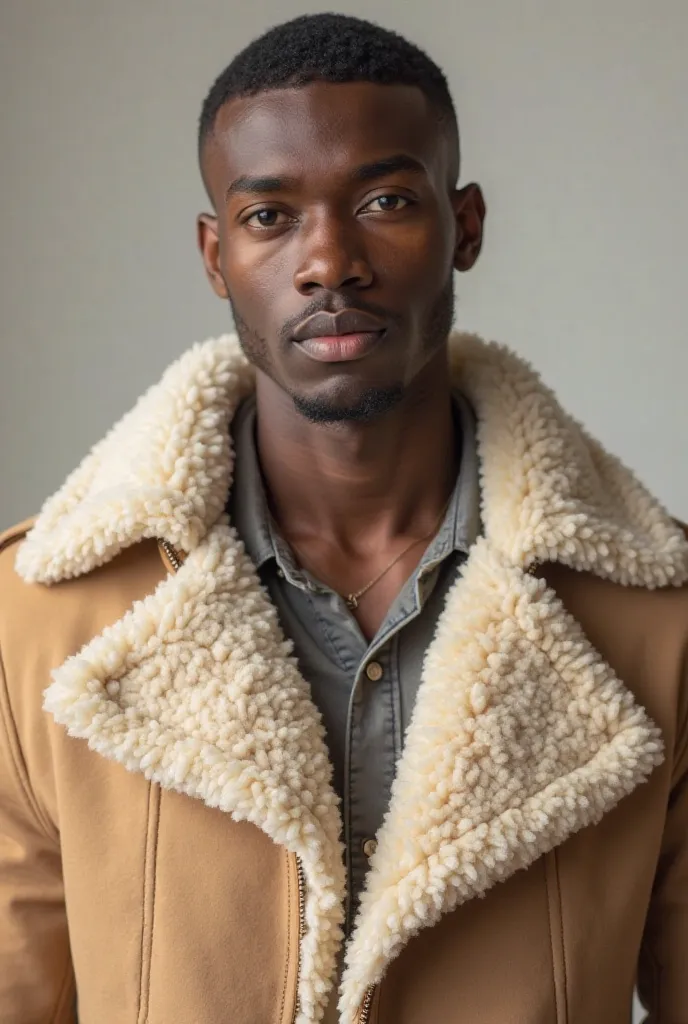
<point>353,599</point>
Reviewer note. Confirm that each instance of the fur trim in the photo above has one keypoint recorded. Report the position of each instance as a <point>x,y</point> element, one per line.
<point>163,471</point>
<point>521,734</point>
<point>550,493</point>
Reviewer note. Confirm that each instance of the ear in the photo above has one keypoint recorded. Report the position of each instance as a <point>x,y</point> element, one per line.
<point>469,212</point>
<point>209,245</point>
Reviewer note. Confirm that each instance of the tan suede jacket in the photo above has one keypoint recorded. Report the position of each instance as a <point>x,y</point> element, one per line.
<point>169,837</point>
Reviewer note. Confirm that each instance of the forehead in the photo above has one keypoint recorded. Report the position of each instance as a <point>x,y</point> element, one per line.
<point>323,126</point>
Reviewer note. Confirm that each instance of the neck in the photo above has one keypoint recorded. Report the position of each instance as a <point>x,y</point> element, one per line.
<point>359,485</point>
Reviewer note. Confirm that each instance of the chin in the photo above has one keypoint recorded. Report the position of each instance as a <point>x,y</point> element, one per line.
<point>369,405</point>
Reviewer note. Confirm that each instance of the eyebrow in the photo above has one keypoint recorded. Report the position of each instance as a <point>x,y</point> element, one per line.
<point>389,165</point>
<point>366,172</point>
<point>257,186</point>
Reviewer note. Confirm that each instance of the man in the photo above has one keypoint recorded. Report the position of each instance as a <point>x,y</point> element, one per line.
<point>346,625</point>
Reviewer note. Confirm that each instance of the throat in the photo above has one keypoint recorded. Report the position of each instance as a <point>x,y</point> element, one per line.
<point>368,583</point>
<point>364,489</point>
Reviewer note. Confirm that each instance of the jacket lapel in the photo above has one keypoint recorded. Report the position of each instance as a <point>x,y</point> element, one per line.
<point>196,688</point>
<point>521,734</point>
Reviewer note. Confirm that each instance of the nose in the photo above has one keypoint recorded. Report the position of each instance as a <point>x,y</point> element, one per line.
<point>332,257</point>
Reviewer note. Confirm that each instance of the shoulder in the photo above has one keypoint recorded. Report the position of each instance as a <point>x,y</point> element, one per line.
<point>642,634</point>
<point>10,582</point>
<point>12,536</point>
<point>43,625</point>
<point>76,608</point>
<point>612,614</point>
<point>605,605</point>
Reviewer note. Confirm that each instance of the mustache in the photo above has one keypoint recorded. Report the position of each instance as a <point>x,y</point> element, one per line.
<point>335,303</point>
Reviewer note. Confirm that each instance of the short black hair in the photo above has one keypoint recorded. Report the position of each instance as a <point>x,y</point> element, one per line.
<point>327,48</point>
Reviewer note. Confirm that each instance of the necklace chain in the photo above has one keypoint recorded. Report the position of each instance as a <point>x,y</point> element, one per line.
<point>353,599</point>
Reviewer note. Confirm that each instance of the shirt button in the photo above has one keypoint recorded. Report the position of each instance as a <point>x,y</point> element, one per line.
<point>369,847</point>
<point>374,671</point>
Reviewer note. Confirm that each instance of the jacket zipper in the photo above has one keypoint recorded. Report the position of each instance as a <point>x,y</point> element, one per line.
<point>301,884</point>
<point>366,1006</point>
<point>176,562</point>
<point>175,559</point>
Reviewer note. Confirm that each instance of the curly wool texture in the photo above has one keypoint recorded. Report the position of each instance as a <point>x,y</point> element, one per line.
<point>550,492</point>
<point>521,734</point>
<point>163,471</point>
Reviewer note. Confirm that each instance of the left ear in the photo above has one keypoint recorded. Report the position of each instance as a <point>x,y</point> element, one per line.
<point>469,208</point>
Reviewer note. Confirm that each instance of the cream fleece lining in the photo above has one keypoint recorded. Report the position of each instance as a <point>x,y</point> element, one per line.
<point>521,734</point>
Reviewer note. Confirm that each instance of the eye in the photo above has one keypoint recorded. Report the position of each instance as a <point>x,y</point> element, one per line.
<point>390,203</point>
<point>266,217</point>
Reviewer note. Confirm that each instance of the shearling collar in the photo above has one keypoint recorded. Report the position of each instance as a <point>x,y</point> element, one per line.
<point>521,734</point>
<point>550,493</point>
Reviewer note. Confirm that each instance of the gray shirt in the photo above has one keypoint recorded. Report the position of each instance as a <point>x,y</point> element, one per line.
<point>364,691</point>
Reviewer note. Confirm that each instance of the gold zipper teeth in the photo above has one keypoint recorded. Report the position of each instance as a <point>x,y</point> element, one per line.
<point>301,883</point>
<point>171,553</point>
<point>367,1005</point>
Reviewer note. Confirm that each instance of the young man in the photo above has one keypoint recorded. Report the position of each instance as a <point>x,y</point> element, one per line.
<point>347,669</point>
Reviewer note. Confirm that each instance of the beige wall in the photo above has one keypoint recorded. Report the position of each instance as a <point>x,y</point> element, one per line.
<point>574,118</point>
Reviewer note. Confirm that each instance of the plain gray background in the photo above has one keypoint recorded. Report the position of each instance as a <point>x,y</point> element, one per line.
<point>573,118</point>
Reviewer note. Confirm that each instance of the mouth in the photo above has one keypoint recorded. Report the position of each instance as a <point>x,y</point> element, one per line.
<point>340,348</point>
<point>339,337</point>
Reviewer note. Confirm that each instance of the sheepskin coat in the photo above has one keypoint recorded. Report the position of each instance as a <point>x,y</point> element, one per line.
<point>169,836</point>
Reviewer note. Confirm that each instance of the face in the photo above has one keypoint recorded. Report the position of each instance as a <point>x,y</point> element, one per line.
<point>336,232</point>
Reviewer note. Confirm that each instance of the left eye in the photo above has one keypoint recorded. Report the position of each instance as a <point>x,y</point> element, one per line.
<point>387,204</point>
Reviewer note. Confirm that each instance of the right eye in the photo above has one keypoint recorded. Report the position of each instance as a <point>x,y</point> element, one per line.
<point>266,217</point>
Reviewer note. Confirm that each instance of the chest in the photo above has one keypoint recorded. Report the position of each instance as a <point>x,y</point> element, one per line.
<point>199,918</point>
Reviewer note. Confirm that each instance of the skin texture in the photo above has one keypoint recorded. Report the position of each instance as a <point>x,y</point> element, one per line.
<point>322,235</point>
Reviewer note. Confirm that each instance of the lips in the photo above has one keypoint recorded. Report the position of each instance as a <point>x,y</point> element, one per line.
<point>339,337</point>
<point>332,325</point>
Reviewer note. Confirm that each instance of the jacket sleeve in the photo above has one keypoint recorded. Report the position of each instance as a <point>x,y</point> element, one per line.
<point>663,964</point>
<point>36,978</point>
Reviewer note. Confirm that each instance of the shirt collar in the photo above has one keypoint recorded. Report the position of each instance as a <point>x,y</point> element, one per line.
<point>249,513</point>
<point>248,507</point>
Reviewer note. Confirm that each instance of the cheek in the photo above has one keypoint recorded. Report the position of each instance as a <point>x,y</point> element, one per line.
<point>416,260</point>
<point>252,274</point>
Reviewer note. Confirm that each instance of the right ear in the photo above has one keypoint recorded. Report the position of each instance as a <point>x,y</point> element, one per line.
<point>209,245</point>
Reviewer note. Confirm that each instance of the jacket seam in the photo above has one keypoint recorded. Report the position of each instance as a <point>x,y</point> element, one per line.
<point>655,992</point>
<point>143,904</point>
<point>288,958</point>
<point>154,891</point>
<point>147,920</point>
<point>17,757</point>
<point>555,911</point>
<point>67,987</point>
<point>681,747</point>
<point>560,908</point>
<point>551,941</point>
